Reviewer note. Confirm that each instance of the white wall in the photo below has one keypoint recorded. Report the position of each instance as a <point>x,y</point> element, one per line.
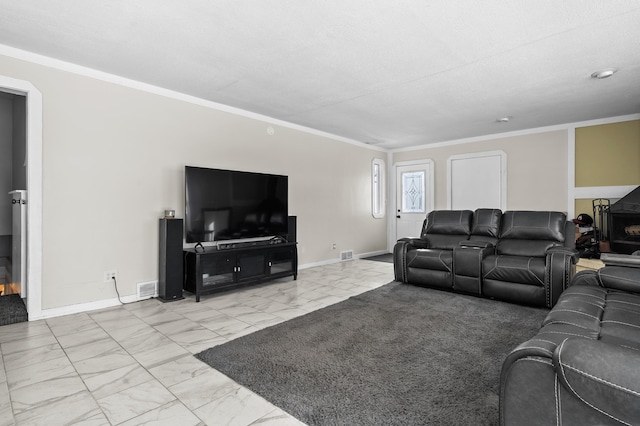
<point>537,176</point>
<point>113,160</point>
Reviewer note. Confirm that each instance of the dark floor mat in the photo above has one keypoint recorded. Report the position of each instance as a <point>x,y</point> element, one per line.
<point>12,309</point>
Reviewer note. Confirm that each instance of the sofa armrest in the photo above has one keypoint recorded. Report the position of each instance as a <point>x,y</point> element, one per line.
<point>419,243</point>
<point>415,242</point>
<point>604,376</point>
<point>407,239</point>
<point>400,260</point>
<point>615,259</point>
<point>572,253</point>
<point>400,250</point>
<point>400,256</point>
<point>560,269</point>
<point>620,278</point>
<point>476,244</point>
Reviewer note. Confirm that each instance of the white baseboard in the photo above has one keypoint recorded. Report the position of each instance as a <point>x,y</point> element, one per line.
<point>321,263</point>
<point>338,260</point>
<point>108,303</point>
<point>371,254</point>
<point>83,307</point>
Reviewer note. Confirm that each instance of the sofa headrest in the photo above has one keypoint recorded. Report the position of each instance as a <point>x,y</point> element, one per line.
<point>450,222</point>
<point>533,225</point>
<point>486,222</point>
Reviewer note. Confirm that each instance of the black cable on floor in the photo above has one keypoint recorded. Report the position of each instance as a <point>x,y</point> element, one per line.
<point>115,285</point>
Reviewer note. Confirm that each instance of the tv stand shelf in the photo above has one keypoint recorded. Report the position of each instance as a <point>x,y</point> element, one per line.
<point>213,270</point>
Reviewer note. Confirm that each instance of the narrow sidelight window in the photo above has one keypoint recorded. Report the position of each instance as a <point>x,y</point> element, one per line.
<point>377,188</point>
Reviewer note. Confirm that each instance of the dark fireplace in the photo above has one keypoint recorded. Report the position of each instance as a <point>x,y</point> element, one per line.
<point>624,216</point>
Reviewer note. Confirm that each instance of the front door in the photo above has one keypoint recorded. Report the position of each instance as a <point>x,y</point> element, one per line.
<point>414,197</point>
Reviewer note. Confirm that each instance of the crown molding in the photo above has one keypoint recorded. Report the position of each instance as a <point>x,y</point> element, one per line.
<point>535,130</point>
<point>58,64</point>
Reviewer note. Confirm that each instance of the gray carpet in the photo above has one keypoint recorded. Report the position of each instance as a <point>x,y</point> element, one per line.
<point>12,309</point>
<point>397,355</point>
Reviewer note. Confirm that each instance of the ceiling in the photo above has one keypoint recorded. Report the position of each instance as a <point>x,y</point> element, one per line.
<point>391,74</point>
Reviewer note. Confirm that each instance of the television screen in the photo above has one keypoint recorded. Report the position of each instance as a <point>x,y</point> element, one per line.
<point>231,205</point>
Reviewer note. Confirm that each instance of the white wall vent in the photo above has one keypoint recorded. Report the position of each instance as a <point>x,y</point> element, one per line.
<point>148,290</point>
<point>346,255</point>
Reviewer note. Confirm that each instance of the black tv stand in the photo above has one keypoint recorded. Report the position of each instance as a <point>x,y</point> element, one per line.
<point>212,271</point>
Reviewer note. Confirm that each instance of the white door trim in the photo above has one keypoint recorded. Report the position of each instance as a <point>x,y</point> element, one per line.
<point>34,186</point>
<point>394,194</point>
<point>503,175</point>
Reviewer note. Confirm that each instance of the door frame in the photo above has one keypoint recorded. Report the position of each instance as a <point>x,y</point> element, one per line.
<point>501,186</point>
<point>393,184</point>
<point>34,188</point>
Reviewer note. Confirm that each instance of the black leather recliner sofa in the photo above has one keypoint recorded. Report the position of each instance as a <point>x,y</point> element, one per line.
<point>524,257</point>
<point>583,366</point>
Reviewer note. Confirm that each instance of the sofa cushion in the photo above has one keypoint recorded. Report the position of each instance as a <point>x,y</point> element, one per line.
<point>621,319</point>
<point>486,224</point>
<point>515,269</point>
<point>577,313</point>
<point>444,229</point>
<point>533,225</point>
<point>595,313</point>
<point>439,260</point>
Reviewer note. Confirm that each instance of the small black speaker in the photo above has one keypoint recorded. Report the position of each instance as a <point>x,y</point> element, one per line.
<point>171,274</point>
<point>292,236</point>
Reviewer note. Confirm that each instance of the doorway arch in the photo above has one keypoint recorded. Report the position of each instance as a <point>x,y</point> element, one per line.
<point>34,186</point>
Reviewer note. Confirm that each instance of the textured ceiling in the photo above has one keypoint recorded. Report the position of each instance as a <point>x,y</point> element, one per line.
<point>393,74</point>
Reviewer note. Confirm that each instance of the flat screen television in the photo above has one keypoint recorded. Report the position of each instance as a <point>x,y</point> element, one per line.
<point>225,205</point>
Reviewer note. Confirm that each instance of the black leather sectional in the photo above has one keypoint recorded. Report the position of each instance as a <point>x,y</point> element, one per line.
<point>525,257</point>
<point>583,367</point>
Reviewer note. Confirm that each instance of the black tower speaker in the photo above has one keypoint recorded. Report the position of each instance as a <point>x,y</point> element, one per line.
<point>292,236</point>
<point>171,273</point>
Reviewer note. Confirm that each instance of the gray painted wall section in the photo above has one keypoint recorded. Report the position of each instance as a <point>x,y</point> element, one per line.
<point>19,169</point>
<point>6,154</point>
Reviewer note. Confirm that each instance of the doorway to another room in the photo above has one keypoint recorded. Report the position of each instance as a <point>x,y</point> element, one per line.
<point>13,194</point>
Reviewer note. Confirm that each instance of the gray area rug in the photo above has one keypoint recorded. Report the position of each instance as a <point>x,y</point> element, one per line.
<point>397,355</point>
<point>12,310</point>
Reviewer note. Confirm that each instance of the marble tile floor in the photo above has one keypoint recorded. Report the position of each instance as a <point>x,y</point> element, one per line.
<point>134,364</point>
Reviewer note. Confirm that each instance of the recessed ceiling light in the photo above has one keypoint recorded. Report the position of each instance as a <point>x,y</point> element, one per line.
<point>504,119</point>
<point>606,73</point>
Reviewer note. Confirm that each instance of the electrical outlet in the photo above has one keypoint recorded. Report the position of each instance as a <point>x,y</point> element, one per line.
<point>333,246</point>
<point>110,276</point>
